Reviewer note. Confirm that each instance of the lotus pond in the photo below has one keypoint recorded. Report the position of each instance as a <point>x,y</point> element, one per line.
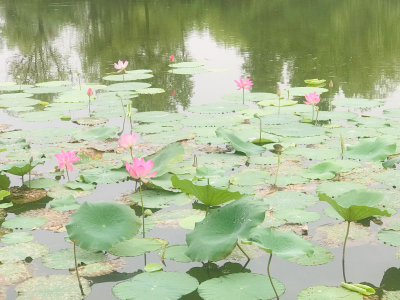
<point>207,163</point>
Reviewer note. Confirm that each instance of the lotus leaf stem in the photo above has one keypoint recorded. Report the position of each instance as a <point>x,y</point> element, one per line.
<point>241,249</point>
<point>141,200</point>
<point>279,108</point>
<point>77,273</point>
<point>30,167</point>
<point>270,278</point>
<point>316,119</point>
<point>260,130</point>
<point>312,113</point>
<point>120,98</point>
<point>208,207</point>
<point>243,95</point>
<point>344,250</point>
<point>277,170</point>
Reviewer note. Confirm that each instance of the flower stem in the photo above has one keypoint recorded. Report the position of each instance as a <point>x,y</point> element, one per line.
<point>130,122</point>
<point>120,98</point>
<point>277,170</point>
<point>241,249</point>
<point>131,153</point>
<point>344,250</point>
<point>312,113</point>
<point>270,278</point>
<point>89,106</point>
<point>66,169</point>
<point>243,95</point>
<point>30,166</point>
<point>77,273</point>
<point>279,108</point>
<point>141,200</point>
<point>316,119</point>
<point>260,131</point>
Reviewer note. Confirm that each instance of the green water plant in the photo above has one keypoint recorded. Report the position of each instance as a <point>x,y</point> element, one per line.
<point>244,84</point>
<point>245,147</point>
<point>353,206</point>
<point>21,168</point>
<point>278,148</point>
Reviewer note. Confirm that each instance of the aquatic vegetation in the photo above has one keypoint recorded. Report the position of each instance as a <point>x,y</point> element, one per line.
<point>172,58</point>
<point>312,99</point>
<point>66,159</point>
<point>244,84</point>
<point>127,141</point>
<point>121,66</point>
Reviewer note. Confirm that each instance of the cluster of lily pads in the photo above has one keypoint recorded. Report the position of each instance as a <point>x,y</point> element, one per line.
<point>250,167</point>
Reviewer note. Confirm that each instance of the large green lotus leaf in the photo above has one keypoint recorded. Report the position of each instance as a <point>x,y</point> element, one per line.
<point>313,153</point>
<point>100,133</point>
<point>302,91</point>
<point>156,285</point>
<point>136,246</point>
<point>296,215</point>
<point>93,86</point>
<point>323,170</point>
<point>389,177</point>
<point>16,237</point>
<point>14,273</point>
<point>168,137</point>
<point>275,119</point>
<point>352,132</point>
<point>101,225</point>
<point>253,135</point>
<point>357,103</point>
<point>17,252</point>
<point>250,177</point>
<point>246,147</point>
<point>15,96</point>
<point>284,244</point>
<point>41,116</point>
<point>216,236</point>
<point>157,127</point>
<point>101,268</point>
<point>110,112</point>
<point>24,222</point>
<point>62,191</point>
<point>357,204</point>
<point>328,293</point>
<point>279,103</point>
<point>4,194</point>
<point>392,112</point>
<point>62,107</point>
<point>150,91</point>
<point>320,256</point>
<point>217,108</point>
<point>13,145</point>
<point>53,83</point>
<point>242,286</point>
<point>37,153</point>
<point>207,194</point>
<point>371,150</point>
<point>64,259</point>
<point>19,102</point>
<point>176,253</point>
<point>291,109</point>
<point>188,71</point>
<point>47,90</point>
<point>4,181</point>
<point>249,113</point>
<point>209,172</point>
<point>264,160</point>
<point>299,130</point>
<point>218,121</point>
<point>284,180</point>
<point>104,175</point>
<point>371,122</point>
<point>60,287</point>
<point>54,131</point>
<point>334,189</point>
<point>80,186</point>
<point>204,131</point>
<point>255,97</point>
<point>188,64</point>
<point>41,183</point>
<point>127,86</point>
<point>64,204</point>
<point>330,115</point>
<point>391,163</point>
<point>391,296</point>
<point>291,199</point>
<point>347,165</point>
<point>390,237</point>
<point>128,77</point>
<point>157,117</point>
<point>166,158</point>
<point>160,199</point>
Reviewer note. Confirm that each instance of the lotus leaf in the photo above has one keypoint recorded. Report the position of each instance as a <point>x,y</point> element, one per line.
<point>104,175</point>
<point>62,107</point>
<point>301,91</point>
<point>157,117</point>
<point>101,268</point>
<point>217,108</point>
<point>14,273</point>
<point>276,119</point>
<point>370,122</point>
<point>328,293</point>
<point>64,259</point>
<point>188,71</point>
<point>323,170</point>
<point>53,83</point>
<point>110,112</point>
<point>98,225</point>
<point>62,191</point>
<point>17,252</point>
<point>331,115</point>
<point>389,177</point>
<point>168,137</point>
<point>290,199</point>
<point>160,199</point>
<point>128,77</point>
<point>157,127</point>
<point>264,160</point>
<point>41,183</point>
<point>320,256</point>
<point>216,236</point>
<point>80,186</point>
<point>24,222</point>
<point>166,158</point>
<point>300,130</point>
<point>64,204</point>
<point>284,180</point>
<point>390,237</point>
<point>246,147</point>
<point>136,246</point>
<point>19,102</point>
<point>127,86</point>
<point>176,253</point>
<point>150,91</point>
<point>249,113</point>
<point>296,215</point>
<point>190,222</point>
<point>41,116</point>
<point>313,154</point>
<point>188,64</point>
<point>16,237</point>
<point>334,189</point>
<point>219,121</point>
<point>93,86</point>
<point>392,112</point>
<point>373,150</point>
<point>357,103</point>
<point>250,177</point>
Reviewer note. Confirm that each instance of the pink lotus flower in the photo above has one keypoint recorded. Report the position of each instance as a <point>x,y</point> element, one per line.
<point>90,92</point>
<point>172,58</point>
<point>140,169</point>
<point>66,159</point>
<point>312,99</point>
<point>127,141</point>
<point>331,83</point>
<point>121,65</point>
<point>244,84</point>
<point>279,92</point>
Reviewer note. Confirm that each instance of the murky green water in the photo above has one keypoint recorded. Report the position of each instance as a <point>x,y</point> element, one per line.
<point>277,43</point>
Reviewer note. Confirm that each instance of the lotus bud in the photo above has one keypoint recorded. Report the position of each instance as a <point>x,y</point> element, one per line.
<point>147,212</point>
<point>330,83</point>
<point>279,92</point>
<point>278,148</point>
<point>256,116</point>
<point>90,92</point>
<point>31,159</point>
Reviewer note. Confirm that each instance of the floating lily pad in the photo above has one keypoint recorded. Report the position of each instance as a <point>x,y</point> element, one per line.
<point>391,199</point>
<point>16,237</point>
<point>80,186</point>
<point>93,86</point>
<point>347,165</point>
<point>284,180</point>
<point>17,252</point>
<point>53,83</point>
<point>47,90</point>
<point>150,91</point>
<point>41,183</point>
<point>389,177</point>
<point>157,127</point>
<point>19,102</point>
<point>211,141</point>
<point>24,222</point>
<point>255,97</point>
<point>128,77</point>
<point>296,215</point>
<point>390,237</point>
<point>127,86</point>
<point>241,286</point>
<point>276,119</point>
<point>157,117</point>
<point>337,233</point>
<point>41,116</point>
<point>352,132</point>
<point>245,147</point>
<point>168,137</point>
<point>392,112</point>
<point>62,191</point>
<point>219,121</point>
<point>101,268</point>
<point>300,130</point>
<point>188,71</point>
<point>176,253</point>
<point>264,160</point>
<point>137,246</point>
<point>90,121</point>
<point>100,133</point>
<point>64,259</point>
<point>320,256</point>
<point>371,150</point>
<point>14,273</point>
<point>331,115</point>
<point>54,131</point>
<point>371,122</point>
<point>279,103</point>
<point>37,153</point>
<point>168,285</point>
<point>15,96</point>
<point>391,295</point>
<point>289,199</point>
<point>322,171</point>
<point>357,103</point>
<point>61,107</point>
<point>188,64</point>
<point>313,153</point>
<point>250,177</point>
<point>64,204</point>
<point>217,108</point>
<point>61,287</point>
<point>302,91</point>
<point>249,113</point>
<point>190,222</point>
<point>334,189</point>
<point>104,175</point>
<point>160,199</point>
<point>328,293</point>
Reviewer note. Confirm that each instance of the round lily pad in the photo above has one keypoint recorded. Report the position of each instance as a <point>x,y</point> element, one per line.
<point>16,237</point>
<point>90,121</point>
<point>264,160</point>
<point>279,103</point>
<point>150,91</point>
<point>352,132</point>
<point>290,199</point>
<point>302,91</point>
<point>16,87</point>
<point>388,177</point>
<point>47,90</point>
<point>322,171</point>
<point>110,112</point>
<point>61,107</point>
<point>14,273</point>
<point>171,285</point>
<point>217,108</point>
<point>250,177</point>
<point>392,112</point>
<point>15,96</point>
<point>188,71</point>
<point>127,86</point>
<point>18,102</point>
<point>41,183</point>
<point>64,204</point>
<point>188,64</point>
<point>53,83</point>
<point>300,130</point>
<point>255,97</point>
<point>330,115</point>
<point>334,189</point>
<point>85,87</point>
<point>371,122</point>
<point>176,253</point>
<point>24,222</point>
<point>101,268</point>
<point>233,286</point>
<point>190,222</point>
<point>160,199</point>
<point>168,137</point>
<point>347,165</point>
<point>357,103</point>
<point>218,121</point>
<point>390,237</point>
<point>41,116</point>
<point>284,180</point>
<point>157,117</point>
<point>296,215</point>
<point>60,287</point>
<point>391,199</point>
<point>62,191</point>
<point>64,259</point>
<point>276,119</point>
<point>337,232</point>
<point>320,256</point>
<point>328,293</point>
<point>312,153</point>
<point>17,252</point>
<point>54,131</point>
<point>128,77</point>
<point>136,246</point>
<point>100,133</point>
<point>157,127</point>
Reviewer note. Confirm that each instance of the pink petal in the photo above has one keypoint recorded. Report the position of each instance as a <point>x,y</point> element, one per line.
<point>69,167</point>
<point>151,174</point>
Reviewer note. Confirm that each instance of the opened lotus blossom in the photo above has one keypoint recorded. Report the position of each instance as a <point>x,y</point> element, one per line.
<point>244,84</point>
<point>66,159</point>
<point>312,99</point>
<point>127,141</point>
<point>121,65</point>
<point>172,58</point>
<point>140,169</point>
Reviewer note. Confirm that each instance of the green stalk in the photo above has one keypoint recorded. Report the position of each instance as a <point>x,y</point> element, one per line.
<point>260,130</point>
<point>207,208</point>
<point>120,98</point>
<point>66,169</point>
<point>279,108</point>
<point>141,199</point>
<point>279,162</point>
<point>241,249</point>
<point>89,106</point>
<point>344,250</point>
<point>130,121</point>
<point>316,120</point>
<point>243,95</point>
<point>312,113</point>
<point>77,273</point>
<point>270,278</point>
<point>30,167</point>
<point>131,153</point>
